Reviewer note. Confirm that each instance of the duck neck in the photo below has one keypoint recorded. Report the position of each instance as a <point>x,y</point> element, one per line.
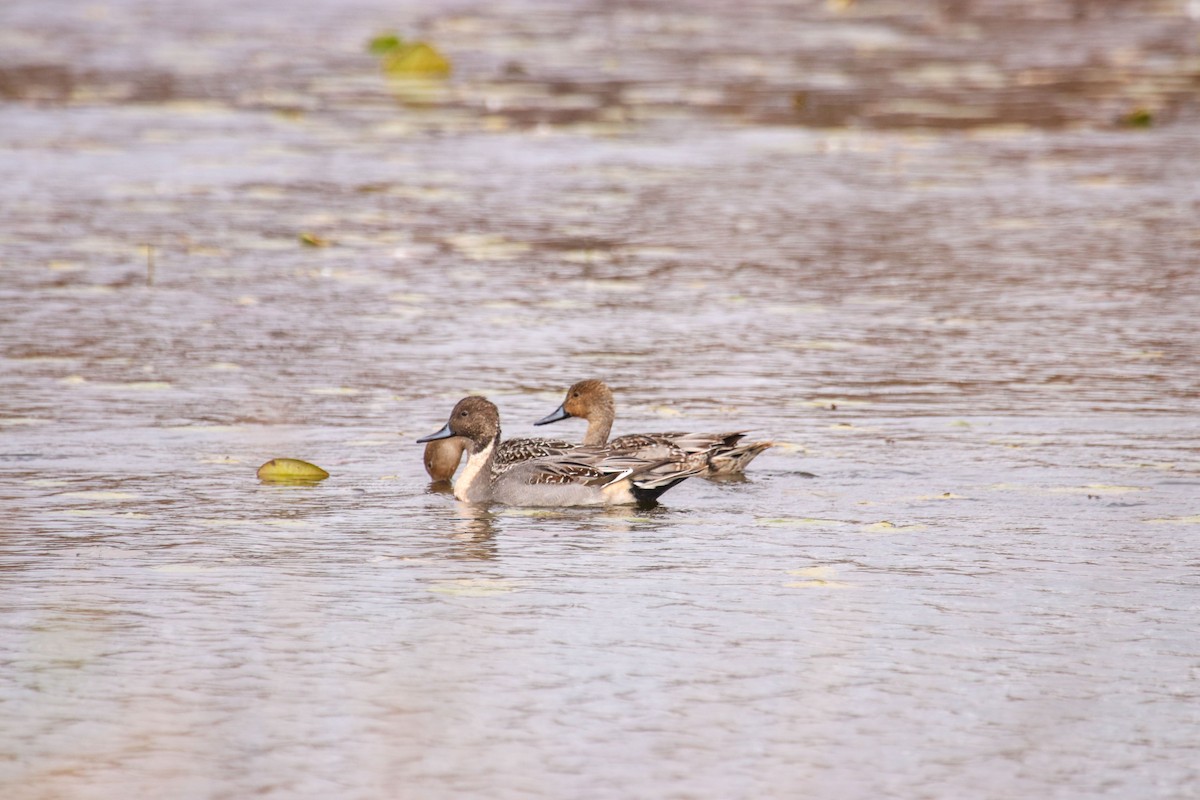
<point>600,423</point>
<point>474,484</point>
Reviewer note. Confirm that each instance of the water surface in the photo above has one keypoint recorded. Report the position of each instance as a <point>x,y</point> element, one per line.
<point>930,253</point>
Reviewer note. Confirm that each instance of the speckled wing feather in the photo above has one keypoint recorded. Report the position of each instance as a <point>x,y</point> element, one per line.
<point>724,451</point>
<point>584,465</point>
<point>514,451</point>
<point>599,466</point>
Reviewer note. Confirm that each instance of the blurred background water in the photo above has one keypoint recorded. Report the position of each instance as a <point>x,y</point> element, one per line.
<point>944,254</point>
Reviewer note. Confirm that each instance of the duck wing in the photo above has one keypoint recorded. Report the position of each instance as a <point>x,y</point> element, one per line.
<point>515,451</point>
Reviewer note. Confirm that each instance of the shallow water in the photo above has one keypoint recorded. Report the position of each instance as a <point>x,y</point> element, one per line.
<point>924,252</point>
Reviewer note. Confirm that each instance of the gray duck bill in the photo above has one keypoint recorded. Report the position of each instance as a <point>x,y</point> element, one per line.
<point>556,415</point>
<point>444,433</point>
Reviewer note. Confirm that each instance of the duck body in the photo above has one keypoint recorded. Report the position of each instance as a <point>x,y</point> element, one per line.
<point>726,453</point>
<point>580,476</point>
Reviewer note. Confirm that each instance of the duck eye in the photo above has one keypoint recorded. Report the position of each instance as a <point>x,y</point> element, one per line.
<point>576,394</point>
<point>462,413</point>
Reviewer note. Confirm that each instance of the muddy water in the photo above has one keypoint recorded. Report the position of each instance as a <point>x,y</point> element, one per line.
<point>931,254</point>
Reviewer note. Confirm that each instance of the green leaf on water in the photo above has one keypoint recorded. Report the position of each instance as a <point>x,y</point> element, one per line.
<point>384,43</point>
<point>415,60</point>
<point>1139,118</point>
<point>290,470</point>
<point>312,240</point>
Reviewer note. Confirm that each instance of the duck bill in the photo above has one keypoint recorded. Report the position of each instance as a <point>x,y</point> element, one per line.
<point>559,414</point>
<point>444,433</point>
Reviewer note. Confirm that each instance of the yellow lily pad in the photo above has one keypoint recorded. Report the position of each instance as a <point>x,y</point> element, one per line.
<point>409,59</point>
<point>313,240</point>
<point>291,470</point>
<point>813,573</point>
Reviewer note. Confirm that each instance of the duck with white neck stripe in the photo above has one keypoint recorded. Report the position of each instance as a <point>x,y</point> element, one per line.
<point>581,476</point>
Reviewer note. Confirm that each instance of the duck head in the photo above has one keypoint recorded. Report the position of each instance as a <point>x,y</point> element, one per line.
<point>475,419</point>
<point>584,399</point>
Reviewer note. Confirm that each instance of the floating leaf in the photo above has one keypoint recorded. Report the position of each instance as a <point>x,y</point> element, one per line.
<point>817,578</point>
<point>815,573</point>
<point>291,470</point>
<point>384,43</point>
<point>1139,118</point>
<point>408,59</point>
<point>312,240</point>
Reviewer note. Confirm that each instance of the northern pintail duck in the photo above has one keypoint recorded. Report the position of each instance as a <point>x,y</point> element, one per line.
<point>442,456</point>
<point>593,400</point>
<point>582,476</point>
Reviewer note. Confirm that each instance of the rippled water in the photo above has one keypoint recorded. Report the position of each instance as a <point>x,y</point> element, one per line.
<point>928,252</point>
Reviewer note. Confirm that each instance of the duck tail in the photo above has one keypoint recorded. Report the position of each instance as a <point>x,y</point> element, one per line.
<point>648,495</point>
<point>648,484</point>
<point>733,458</point>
